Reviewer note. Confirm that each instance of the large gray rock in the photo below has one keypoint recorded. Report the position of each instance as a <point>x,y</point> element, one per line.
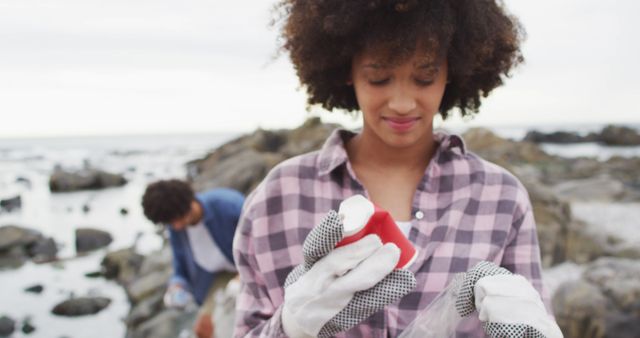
<point>619,136</point>
<point>86,179</point>
<point>148,285</point>
<point>605,302</point>
<point>88,239</point>
<point>81,306</point>
<point>122,265</point>
<point>7,326</point>
<point>169,323</point>
<point>242,163</point>
<point>18,244</point>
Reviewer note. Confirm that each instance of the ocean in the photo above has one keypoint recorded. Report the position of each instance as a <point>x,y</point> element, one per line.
<point>25,167</point>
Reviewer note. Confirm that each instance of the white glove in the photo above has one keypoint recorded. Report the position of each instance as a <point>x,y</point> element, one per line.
<point>320,294</point>
<point>503,300</point>
<point>177,297</point>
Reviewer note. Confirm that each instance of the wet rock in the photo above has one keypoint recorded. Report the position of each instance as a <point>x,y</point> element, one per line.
<point>242,163</point>
<point>124,211</point>
<point>7,326</point>
<point>86,208</point>
<point>145,309</point>
<point>27,327</point>
<point>148,285</point>
<point>11,204</point>
<point>35,289</point>
<point>619,136</point>
<point>558,137</point>
<point>88,239</point>
<point>18,244</point>
<point>44,250</point>
<point>94,274</point>
<point>81,306</point>
<point>85,179</point>
<point>122,265</point>
<point>167,324</point>
<point>603,303</point>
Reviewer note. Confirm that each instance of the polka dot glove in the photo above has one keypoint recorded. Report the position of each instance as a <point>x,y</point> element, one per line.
<point>507,304</point>
<point>335,289</point>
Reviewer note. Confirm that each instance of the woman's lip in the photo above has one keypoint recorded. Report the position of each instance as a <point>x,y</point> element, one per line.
<point>400,123</point>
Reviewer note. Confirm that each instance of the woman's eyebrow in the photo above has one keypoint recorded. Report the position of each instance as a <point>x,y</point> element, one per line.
<point>374,65</point>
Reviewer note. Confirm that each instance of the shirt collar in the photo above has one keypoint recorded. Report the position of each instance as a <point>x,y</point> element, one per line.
<point>333,153</point>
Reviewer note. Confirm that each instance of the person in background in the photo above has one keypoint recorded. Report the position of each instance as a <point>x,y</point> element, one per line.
<point>201,229</point>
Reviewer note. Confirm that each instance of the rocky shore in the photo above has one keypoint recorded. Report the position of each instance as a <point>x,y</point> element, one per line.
<point>592,264</point>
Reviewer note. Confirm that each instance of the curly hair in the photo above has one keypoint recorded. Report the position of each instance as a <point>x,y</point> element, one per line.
<point>480,40</point>
<point>166,200</point>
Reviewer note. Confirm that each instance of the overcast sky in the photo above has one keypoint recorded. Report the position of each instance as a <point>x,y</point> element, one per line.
<point>70,67</point>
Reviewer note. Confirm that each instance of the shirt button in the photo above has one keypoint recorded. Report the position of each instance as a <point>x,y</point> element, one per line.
<point>419,214</point>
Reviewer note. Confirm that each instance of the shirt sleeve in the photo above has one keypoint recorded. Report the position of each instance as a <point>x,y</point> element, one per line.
<point>256,315</point>
<point>179,276</point>
<point>522,254</point>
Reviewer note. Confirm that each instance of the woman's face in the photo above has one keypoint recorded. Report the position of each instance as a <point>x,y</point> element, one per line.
<point>399,102</point>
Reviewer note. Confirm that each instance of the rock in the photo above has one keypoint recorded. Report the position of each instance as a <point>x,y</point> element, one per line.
<point>27,327</point>
<point>12,236</point>
<point>603,303</point>
<point>86,208</point>
<point>148,285</point>
<point>11,204</point>
<point>557,137</point>
<point>44,250</point>
<point>81,306</point>
<point>122,265</point>
<point>124,211</point>
<point>167,324</point>
<point>7,326</point>
<point>619,136</point>
<point>591,189</point>
<point>94,274</point>
<point>18,244</point>
<point>35,289</point>
<point>85,179</point>
<point>145,309</point>
<point>88,239</point>
<point>242,163</point>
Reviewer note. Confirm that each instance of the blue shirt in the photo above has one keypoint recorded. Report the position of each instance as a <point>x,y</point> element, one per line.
<point>221,210</point>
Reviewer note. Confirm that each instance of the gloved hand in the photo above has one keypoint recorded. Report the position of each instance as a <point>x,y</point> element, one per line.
<point>177,297</point>
<point>508,305</point>
<point>334,290</point>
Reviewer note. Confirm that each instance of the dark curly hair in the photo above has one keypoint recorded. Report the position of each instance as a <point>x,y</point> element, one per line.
<point>165,201</point>
<point>480,41</point>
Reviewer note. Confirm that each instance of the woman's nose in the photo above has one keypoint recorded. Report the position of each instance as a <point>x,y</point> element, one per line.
<point>402,102</point>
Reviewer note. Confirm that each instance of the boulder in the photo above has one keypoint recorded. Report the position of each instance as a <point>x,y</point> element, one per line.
<point>81,306</point>
<point>10,204</point>
<point>148,285</point>
<point>7,326</point>
<point>619,136</point>
<point>169,323</point>
<point>562,137</point>
<point>18,244</point>
<point>88,239</point>
<point>242,163</point>
<point>604,302</point>
<point>122,265</point>
<point>85,179</point>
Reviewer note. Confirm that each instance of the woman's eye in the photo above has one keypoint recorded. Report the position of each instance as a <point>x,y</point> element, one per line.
<point>424,82</point>
<point>379,82</point>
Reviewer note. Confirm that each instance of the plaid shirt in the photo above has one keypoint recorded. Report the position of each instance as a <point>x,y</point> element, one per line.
<point>465,210</point>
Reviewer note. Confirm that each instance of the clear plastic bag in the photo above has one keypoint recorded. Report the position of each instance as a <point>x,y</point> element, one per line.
<point>440,319</point>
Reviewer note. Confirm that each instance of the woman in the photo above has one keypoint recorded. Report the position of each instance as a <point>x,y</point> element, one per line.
<point>399,63</point>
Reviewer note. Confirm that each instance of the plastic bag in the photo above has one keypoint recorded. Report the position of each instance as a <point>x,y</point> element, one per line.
<point>440,319</point>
